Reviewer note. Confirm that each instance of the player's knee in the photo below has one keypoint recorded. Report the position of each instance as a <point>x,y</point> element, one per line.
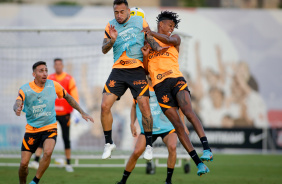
<point>47,153</point>
<point>105,108</point>
<point>189,113</point>
<point>67,144</point>
<point>137,153</point>
<point>24,164</point>
<point>171,148</point>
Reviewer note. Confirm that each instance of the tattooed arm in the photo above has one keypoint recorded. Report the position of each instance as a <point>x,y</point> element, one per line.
<point>154,45</point>
<point>109,42</point>
<point>107,45</point>
<point>75,105</point>
<point>18,107</point>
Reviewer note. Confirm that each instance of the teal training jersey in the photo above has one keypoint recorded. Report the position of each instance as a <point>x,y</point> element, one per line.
<point>40,107</point>
<point>160,122</point>
<point>129,39</point>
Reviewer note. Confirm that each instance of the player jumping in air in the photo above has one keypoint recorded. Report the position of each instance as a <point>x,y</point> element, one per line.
<point>124,35</point>
<point>38,98</point>
<point>171,88</point>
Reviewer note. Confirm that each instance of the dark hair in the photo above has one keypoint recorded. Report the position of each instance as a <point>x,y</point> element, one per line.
<point>118,2</point>
<point>37,64</point>
<point>168,15</point>
<point>58,59</point>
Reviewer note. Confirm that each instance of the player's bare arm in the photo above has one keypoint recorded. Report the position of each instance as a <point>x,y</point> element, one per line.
<point>145,50</point>
<point>109,42</point>
<point>18,107</point>
<point>75,105</point>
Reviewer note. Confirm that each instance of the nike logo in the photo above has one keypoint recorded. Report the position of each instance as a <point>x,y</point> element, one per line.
<point>125,25</point>
<point>149,136</point>
<point>193,155</point>
<point>204,141</point>
<point>256,138</point>
<point>143,86</point>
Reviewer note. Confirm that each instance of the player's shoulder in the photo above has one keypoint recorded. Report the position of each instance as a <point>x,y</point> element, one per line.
<point>24,86</point>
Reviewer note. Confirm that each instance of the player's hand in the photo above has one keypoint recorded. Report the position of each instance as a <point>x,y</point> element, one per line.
<point>133,130</point>
<point>147,30</point>
<point>19,110</point>
<point>113,32</point>
<point>145,49</point>
<point>162,50</point>
<point>87,117</point>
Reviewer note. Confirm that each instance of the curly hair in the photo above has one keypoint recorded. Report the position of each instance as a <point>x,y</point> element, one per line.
<point>168,15</point>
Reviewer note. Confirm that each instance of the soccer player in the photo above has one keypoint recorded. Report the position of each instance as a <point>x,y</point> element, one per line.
<point>38,98</point>
<point>124,35</point>
<point>171,88</point>
<point>161,128</point>
<point>63,111</point>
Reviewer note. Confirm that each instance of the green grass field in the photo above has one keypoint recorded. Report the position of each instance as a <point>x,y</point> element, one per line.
<point>225,169</point>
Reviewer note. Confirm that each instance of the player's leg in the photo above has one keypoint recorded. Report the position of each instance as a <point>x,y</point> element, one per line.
<point>29,145</point>
<point>173,116</point>
<point>35,163</point>
<point>147,122</point>
<point>184,102</point>
<point>23,170</point>
<point>138,150</point>
<point>170,141</point>
<point>114,88</point>
<point>65,125</point>
<point>139,88</point>
<point>48,147</point>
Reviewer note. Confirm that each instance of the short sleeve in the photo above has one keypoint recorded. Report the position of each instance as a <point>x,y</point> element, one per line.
<point>21,95</point>
<point>60,91</point>
<point>145,24</point>
<point>107,32</point>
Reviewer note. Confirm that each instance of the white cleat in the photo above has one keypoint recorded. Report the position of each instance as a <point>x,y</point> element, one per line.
<point>148,154</point>
<point>69,168</point>
<point>33,165</point>
<point>108,150</point>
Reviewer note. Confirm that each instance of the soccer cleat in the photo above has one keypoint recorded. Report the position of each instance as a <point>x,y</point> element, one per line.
<point>33,165</point>
<point>32,182</point>
<point>108,150</point>
<point>202,169</point>
<point>69,168</point>
<point>207,156</point>
<point>148,154</point>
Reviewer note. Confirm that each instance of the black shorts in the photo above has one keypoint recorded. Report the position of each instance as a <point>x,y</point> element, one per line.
<point>64,121</point>
<point>121,79</point>
<point>31,141</point>
<point>162,135</point>
<point>167,90</point>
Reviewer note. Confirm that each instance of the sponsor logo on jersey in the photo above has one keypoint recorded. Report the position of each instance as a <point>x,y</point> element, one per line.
<point>128,62</point>
<point>139,82</point>
<point>160,76</point>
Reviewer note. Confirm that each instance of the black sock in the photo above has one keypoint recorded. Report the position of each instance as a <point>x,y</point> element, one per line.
<point>37,158</point>
<point>125,176</point>
<point>108,136</point>
<point>195,157</point>
<point>205,143</point>
<point>36,180</point>
<point>148,136</point>
<point>68,161</point>
<point>169,174</point>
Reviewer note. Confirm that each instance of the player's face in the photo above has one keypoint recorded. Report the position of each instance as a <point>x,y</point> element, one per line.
<point>58,66</point>
<point>122,13</point>
<point>167,27</point>
<point>40,74</point>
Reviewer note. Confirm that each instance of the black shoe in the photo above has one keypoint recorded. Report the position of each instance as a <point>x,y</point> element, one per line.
<point>168,182</point>
<point>119,182</point>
